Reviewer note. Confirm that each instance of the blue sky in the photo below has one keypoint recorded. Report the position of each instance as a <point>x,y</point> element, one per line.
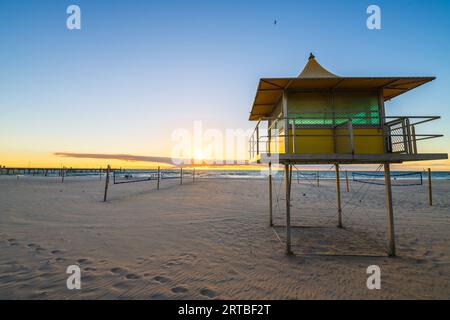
<point>137,70</point>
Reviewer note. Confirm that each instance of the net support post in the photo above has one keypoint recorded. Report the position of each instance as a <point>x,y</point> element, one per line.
<point>346,180</point>
<point>158,178</point>
<point>430,188</point>
<point>390,210</point>
<point>181,175</point>
<point>108,169</point>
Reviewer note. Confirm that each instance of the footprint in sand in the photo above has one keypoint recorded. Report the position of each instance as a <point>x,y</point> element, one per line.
<point>132,276</point>
<point>35,247</point>
<point>158,296</point>
<point>161,279</point>
<point>13,242</point>
<point>122,285</point>
<point>208,293</point>
<point>119,270</point>
<point>141,259</point>
<point>179,290</point>
<point>56,252</point>
<point>90,269</point>
<point>46,267</point>
<point>84,261</point>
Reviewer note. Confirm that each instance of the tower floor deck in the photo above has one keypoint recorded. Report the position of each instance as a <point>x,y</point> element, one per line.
<point>346,158</point>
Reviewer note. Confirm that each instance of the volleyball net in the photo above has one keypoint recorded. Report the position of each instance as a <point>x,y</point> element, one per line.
<point>82,173</point>
<point>306,175</point>
<point>132,176</point>
<point>400,179</point>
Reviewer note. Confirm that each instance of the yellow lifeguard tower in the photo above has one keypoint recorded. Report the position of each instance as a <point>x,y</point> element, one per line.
<point>319,117</point>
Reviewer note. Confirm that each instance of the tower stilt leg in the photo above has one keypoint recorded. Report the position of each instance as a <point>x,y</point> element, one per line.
<point>338,195</point>
<point>390,210</point>
<point>288,208</point>
<point>270,196</point>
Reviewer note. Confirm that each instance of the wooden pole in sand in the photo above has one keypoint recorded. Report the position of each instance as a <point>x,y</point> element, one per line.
<point>270,196</point>
<point>346,180</point>
<point>159,177</point>
<point>288,208</point>
<point>181,175</point>
<point>62,175</point>
<point>318,183</point>
<point>430,188</point>
<point>338,195</point>
<point>108,169</point>
<point>390,210</point>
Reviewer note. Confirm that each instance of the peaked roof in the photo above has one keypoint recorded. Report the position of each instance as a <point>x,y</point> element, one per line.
<point>313,69</point>
<point>314,77</point>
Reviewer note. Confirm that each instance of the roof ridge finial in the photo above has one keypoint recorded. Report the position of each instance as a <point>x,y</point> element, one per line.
<point>311,56</point>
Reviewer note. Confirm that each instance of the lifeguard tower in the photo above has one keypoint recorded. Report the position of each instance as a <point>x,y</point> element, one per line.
<point>321,118</point>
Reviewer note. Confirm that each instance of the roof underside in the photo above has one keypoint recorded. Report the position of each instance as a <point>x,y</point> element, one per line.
<point>270,90</point>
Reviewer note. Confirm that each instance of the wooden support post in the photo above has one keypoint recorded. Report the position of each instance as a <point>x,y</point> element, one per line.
<point>270,196</point>
<point>338,195</point>
<point>159,178</point>
<point>181,175</point>
<point>413,138</point>
<point>318,179</point>
<point>288,208</point>
<point>62,175</point>
<point>108,169</point>
<point>100,173</point>
<point>346,180</point>
<point>390,210</point>
<point>430,188</point>
<point>257,139</point>
<point>293,136</point>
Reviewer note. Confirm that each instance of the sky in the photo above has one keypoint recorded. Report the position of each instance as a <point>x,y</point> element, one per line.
<point>138,71</point>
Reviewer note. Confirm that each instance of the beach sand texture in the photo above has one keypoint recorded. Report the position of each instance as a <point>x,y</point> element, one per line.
<point>211,239</point>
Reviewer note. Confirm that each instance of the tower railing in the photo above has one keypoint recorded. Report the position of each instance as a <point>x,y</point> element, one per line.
<point>399,133</point>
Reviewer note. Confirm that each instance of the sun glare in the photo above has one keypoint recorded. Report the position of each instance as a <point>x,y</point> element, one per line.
<point>198,155</point>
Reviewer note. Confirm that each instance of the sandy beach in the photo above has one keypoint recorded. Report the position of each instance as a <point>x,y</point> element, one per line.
<point>211,239</point>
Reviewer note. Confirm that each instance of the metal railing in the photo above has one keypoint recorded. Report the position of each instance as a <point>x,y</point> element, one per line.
<point>398,132</point>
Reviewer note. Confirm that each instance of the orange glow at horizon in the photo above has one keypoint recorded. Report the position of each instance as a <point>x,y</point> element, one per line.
<point>49,160</point>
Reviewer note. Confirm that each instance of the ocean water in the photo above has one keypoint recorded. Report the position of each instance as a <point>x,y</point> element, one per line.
<point>323,174</point>
<point>261,174</point>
